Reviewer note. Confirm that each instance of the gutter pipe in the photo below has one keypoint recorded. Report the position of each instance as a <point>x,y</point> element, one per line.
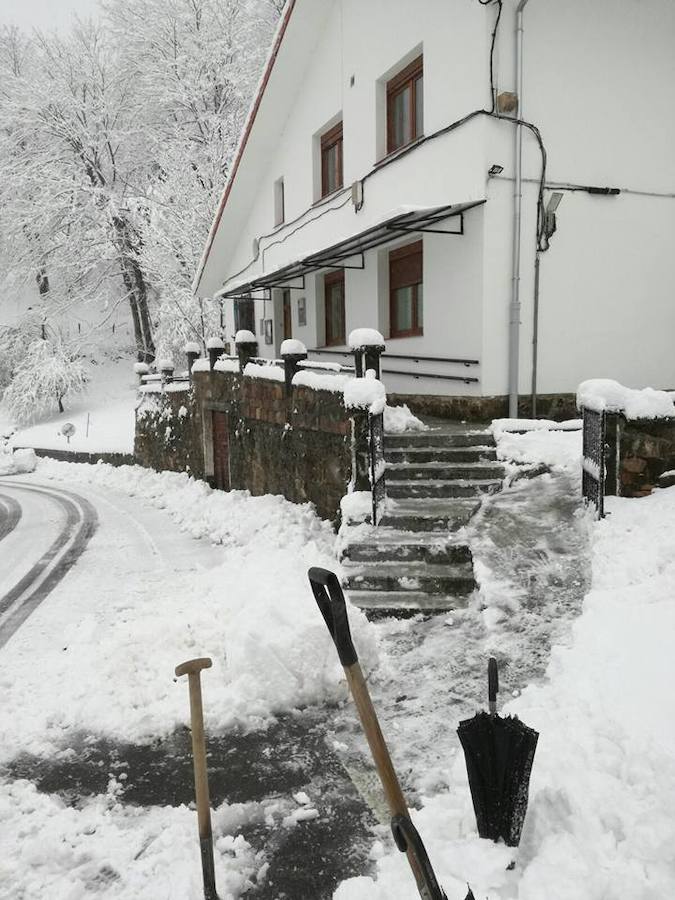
<point>514,318</point>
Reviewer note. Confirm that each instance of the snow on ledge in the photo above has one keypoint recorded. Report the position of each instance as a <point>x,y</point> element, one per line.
<point>365,393</point>
<point>226,365</point>
<point>510,426</point>
<point>605,395</point>
<point>201,365</point>
<point>271,373</point>
<point>365,337</point>
<point>292,347</point>
<point>244,337</point>
<point>321,381</point>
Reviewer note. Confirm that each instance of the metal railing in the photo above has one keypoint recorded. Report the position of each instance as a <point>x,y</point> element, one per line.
<point>442,376</point>
<point>593,459</point>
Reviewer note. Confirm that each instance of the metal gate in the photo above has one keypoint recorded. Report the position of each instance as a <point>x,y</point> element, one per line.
<point>376,464</point>
<point>593,461</point>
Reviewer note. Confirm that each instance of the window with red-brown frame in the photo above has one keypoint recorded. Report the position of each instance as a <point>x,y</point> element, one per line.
<point>406,291</point>
<point>405,106</point>
<point>334,302</point>
<point>331,160</point>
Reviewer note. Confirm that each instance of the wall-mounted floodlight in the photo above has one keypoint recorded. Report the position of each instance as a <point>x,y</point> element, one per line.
<point>495,170</point>
<point>549,213</point>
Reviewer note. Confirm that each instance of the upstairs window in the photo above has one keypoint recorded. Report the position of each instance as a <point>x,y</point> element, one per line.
<point>244,315</point>
<point>279,210</point>
<point>331,160</point>
<point>405,106</point>
<point>406,290</point>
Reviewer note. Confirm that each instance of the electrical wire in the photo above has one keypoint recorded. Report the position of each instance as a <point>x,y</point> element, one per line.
<point>493,93</point>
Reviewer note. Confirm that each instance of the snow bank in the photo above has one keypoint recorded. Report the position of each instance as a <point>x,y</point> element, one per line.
<point>603,394</point>
<point>254,614</point>
<point>556,444</point>
<point>600,822</point>
<point>399,419</point>
<point>105,848</point>
<point>365,393</point>
<point>17,462</point>
<point>365,337</point>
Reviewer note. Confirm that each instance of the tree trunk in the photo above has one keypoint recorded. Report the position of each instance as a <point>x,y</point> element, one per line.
<point>136,288</point>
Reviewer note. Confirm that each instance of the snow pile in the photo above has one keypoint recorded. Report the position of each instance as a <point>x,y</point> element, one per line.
<point>365,337</point>
<point>603,394</point>
<point>356,507</point>
<point>556,444</point>
<point>270,373</point>
<point>17,462</point>
<point>600,821</point>
<point>291,347</point>
<point>399,419</point>
<point>104,848</point>
<point>365,393</point>
<point>253,613</point>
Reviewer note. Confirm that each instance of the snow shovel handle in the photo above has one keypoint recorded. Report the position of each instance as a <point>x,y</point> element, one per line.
<point>331,602</point>
<point>493,685</point>
<point>408,840</point>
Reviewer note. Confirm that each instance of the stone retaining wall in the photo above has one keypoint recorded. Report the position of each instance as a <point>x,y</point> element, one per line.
<point>646,452</point>
<point>297,444</point>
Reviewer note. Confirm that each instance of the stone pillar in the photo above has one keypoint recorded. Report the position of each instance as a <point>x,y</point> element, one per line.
<point>165,368</point>
<point>215,348</point>
<point>292,352</point>
<point>368,346</point>
<point>193,352</point>
<point>247,347</point>
<point>141,369</point>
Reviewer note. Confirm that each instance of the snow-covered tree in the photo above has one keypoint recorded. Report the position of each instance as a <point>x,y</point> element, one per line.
<point>48,372</point>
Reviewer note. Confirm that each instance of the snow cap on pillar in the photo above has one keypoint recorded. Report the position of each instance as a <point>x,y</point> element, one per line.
<point>365,337</point>
<point>293,347</point>
<point>215,343</point>
<point>192,347</point>
<point>244,337</point>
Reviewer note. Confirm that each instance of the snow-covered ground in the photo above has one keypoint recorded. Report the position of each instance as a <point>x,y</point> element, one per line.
<point>147,595</point>
<point>103,415</point>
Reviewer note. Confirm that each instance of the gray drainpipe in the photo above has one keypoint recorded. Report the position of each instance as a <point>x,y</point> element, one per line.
<point>514,319</point>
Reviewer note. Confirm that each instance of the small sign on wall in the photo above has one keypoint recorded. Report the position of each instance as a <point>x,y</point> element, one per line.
<point>302,311</point>
<point>269,331</point>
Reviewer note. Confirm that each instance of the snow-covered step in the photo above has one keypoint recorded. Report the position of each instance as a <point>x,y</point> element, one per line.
<point>442,515</point>
<point>442,488</point>
<point>443,471</point>
<point>417,455</point>
<point>404,603</point>
<point>429,579</point>
<point>439,439</point>
<point>389,545</point>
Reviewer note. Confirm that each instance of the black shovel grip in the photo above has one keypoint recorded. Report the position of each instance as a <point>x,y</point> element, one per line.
<point>493,680</point>
<point>331,601</point>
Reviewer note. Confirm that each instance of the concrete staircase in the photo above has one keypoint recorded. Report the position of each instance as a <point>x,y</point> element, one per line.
<point>414,561</point>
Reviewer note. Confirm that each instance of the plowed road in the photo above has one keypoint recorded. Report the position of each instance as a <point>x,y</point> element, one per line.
<point>43,531</point>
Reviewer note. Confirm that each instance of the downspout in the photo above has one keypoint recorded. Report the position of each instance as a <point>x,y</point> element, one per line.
<point>514,320</point>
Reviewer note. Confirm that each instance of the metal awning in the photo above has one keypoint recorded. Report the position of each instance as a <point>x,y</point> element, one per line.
<point>419,220</point>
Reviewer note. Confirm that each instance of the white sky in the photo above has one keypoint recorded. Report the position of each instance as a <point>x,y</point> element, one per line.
<point>44,14</point>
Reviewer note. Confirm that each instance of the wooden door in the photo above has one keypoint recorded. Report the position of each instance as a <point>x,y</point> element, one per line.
<point>221,451</point>
<point>334,285</point>
<point>288,321</point>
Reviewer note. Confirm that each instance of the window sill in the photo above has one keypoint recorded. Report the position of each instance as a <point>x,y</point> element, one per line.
<point>406,334</point>
<point>400,151</point>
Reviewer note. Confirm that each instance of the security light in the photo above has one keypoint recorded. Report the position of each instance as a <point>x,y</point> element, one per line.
<point>495,169</point>
<point>550,224</point>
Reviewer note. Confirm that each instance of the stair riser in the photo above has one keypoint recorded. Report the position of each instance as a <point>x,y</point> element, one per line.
<point>406,553</point>
<point>440,585</point>
<point>426,439</point>
<point>439,454</point>
<point>402,490</point>
<point>442,524</point>
<point>413,473</point>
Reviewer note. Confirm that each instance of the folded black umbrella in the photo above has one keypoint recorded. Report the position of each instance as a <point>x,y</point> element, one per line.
<point>499,754</point>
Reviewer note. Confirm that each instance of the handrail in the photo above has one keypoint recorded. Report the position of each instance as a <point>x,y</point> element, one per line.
<point>463,378</point>
<point>413,358</point>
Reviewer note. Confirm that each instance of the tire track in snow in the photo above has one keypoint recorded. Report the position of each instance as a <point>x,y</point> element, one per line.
<point>47,572</point>
<point>11,517</point>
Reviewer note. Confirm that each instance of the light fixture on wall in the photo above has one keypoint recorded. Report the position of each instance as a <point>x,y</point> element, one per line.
<point>495,170</point>
<point>550,224</point>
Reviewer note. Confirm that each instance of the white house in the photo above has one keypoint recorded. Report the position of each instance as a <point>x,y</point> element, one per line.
<point>379,182</point>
